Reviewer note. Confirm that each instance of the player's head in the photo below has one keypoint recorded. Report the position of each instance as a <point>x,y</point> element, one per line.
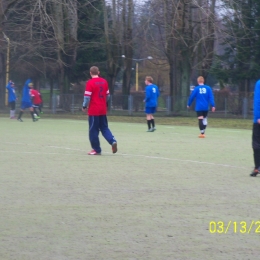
<point>30,85</point>
<point>200,80</point>
<point>94,71</point>
<point>148,80</point>
<point>12,84</point>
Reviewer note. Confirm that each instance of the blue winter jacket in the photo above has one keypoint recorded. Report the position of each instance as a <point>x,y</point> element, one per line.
<point>11,93</point>
<point>26,92</point>
<point>151,95</point>
<point>257,102</point>
<point>204,96</point>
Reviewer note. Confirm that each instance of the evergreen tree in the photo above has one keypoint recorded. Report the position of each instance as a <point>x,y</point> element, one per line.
<point>239,64</point>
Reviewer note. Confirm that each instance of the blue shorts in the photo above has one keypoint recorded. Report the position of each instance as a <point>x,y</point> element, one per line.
<point>150,110</point>
<point>26,105</point>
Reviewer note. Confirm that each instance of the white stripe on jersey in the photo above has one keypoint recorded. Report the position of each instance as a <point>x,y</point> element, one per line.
<point>88,93</point>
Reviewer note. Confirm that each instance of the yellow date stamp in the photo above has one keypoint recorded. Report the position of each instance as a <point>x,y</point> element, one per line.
<point>242,227</point>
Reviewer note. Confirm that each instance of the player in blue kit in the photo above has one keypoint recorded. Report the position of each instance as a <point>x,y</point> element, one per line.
<point>204,96</point>
<point>11,98</point>
<point>26,100</point>
<point>151,101</point>
<point>256,130</point>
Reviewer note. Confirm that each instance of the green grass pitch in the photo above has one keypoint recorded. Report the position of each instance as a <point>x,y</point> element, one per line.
<point>154,199</point>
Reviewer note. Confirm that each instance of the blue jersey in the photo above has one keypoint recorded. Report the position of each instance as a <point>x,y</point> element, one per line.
<point>11,93</point>
<point>257,102</point>
<point>151,95</point>
<point>204,97</point>
<point>26,92</point>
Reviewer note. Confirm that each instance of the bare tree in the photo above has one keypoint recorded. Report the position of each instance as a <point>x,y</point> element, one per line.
<point>127,18</point>
<point>182,31</point>
<point>5,6</point>
<point>113,39</point>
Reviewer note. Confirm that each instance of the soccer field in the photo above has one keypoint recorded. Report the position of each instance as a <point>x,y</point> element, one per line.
<point>164,195</point>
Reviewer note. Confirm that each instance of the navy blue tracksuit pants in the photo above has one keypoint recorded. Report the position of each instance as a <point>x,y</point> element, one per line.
<point>96,124</point>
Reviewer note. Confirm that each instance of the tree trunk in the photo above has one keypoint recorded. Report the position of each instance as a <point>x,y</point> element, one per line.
<point>2,59</point>
<point>112,38</point>
<point>128,13</point>
<point>59,34</point>
<point>51,92</point>
<point>2,80</point>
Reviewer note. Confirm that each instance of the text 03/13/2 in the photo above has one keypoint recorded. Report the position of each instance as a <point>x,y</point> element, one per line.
<point>242,227</point>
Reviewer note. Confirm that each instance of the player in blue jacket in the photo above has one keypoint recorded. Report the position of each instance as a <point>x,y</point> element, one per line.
<point>151,101</point>
<point>26,100</point>
<point>204,96</point>
<point>256,130</point>
<point>11,98</point>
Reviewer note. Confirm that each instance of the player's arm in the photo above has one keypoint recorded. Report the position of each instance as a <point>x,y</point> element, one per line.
<point>85,102</point>
<point>192,96</point>
<point>8,86</point>
<point>158,92</point>
<point>107,93</point>
<point>257,110</point>
<point>212,102</point>
<point>87,96</point>
<point>31,93</point>
<point>257,102</point>
<point>147,94</point>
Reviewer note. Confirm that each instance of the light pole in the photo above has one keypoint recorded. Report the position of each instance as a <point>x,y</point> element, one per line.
<point>136,69</point>
<point>7,66</point>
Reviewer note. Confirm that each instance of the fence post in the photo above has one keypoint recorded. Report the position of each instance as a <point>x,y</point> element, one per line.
<point>245,106</point>
<point>54,99</point>
<point>130,105</point>
<point>72,104</point>
<point>168,105</point>
<point>225,107</point>
<point>110,104</point>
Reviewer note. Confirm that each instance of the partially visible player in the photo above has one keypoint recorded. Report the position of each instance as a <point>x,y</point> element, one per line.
<point>256,130</point>
<point>41,104</point>
<point>26,100</point>
<point>36,100</point>
<point>95,98</point>
<point>204,96</point>
<point>151,101</point>
<point>11,98</point>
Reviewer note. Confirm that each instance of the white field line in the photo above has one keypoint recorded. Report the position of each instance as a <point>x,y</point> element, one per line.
<point>31,152</point>
<point>130,155</point>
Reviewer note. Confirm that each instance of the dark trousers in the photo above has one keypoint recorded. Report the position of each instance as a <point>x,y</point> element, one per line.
<point>256,144</point>
<point>96,124</point>
<point>12,105</point>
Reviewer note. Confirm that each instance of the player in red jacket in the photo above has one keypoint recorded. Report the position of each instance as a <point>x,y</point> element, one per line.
<point>95,98</point>
<point>37,100</point>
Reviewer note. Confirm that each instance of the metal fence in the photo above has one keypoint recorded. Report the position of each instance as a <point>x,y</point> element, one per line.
<point>232,106</point>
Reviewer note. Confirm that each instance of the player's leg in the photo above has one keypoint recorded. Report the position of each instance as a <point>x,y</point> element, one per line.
<point>201,126</point>
<point>256,149</point>
<point>12,109</point>
<point>153,110</point>
<point>149,118</point>
<point>32,113</point>
<point>103,126</point>
<point>36,115</point>
<point>23,106</point>
<point>10,105</point>
<point>40,108</point>
<point>205,120</point>
<point>149,122</point>
<point>93,122</point>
